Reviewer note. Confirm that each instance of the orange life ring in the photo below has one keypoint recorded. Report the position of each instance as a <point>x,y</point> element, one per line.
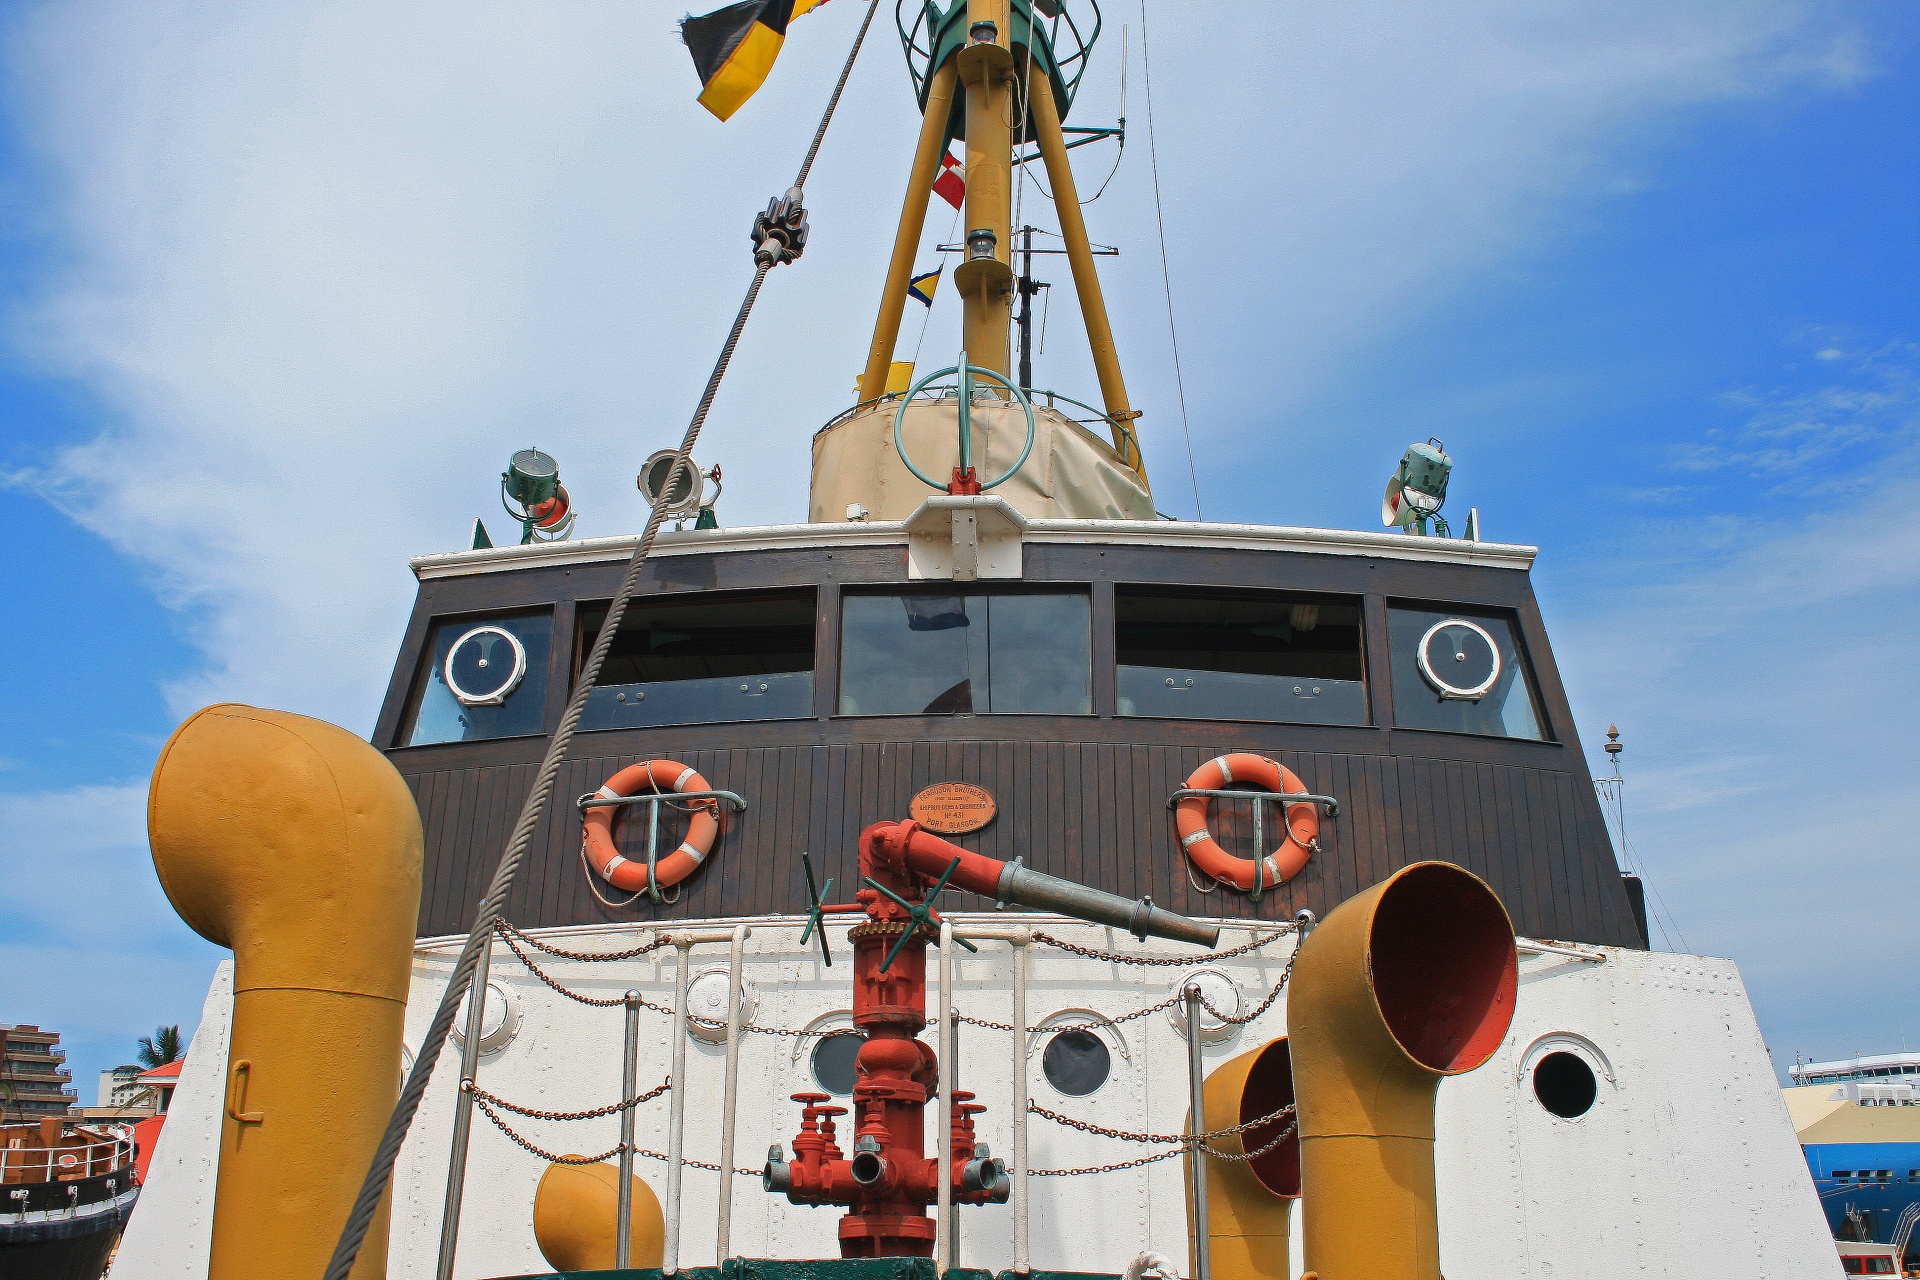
<point>1284,863</point>
<point>596,830</point>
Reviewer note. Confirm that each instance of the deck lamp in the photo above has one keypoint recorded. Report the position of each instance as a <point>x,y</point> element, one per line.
<point>1417,489</point>
<point>531,483</point>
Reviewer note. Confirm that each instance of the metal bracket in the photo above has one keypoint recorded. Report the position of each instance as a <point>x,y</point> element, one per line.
<point>1261,799</point>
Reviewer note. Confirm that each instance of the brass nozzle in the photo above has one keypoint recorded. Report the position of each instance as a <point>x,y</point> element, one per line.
<point>297,845</point>
<point>1410,981</point>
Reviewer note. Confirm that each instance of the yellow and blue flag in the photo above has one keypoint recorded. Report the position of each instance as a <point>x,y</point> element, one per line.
<point>923,285</point>
<point>733,48</point>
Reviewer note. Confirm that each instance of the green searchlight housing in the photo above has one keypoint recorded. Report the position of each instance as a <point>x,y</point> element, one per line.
<point>531,492</point>
<point>1418,489</point>
<point>531,477</point>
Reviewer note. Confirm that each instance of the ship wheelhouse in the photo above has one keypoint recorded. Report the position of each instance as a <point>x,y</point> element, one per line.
<point>827,673</point>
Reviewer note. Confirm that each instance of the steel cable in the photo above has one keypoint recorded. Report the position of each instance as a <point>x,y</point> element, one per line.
<point>354,1233</point>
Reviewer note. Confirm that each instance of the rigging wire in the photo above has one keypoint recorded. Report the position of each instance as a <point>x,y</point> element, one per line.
<point>372,1189</point>
<point>926,319</point>
<point>1615,809</point>
<point>1166,277</point>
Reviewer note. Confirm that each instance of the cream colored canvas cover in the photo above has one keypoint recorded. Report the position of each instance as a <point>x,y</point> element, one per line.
<point>1071,473</point>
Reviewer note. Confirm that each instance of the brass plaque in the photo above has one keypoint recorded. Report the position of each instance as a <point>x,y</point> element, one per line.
<point>952,808</point>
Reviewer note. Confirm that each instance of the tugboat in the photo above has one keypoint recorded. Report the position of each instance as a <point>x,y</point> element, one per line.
<point>1276,926</point>
<point>67,1193</point>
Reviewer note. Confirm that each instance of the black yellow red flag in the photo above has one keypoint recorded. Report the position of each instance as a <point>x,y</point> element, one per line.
<point>734,48</point>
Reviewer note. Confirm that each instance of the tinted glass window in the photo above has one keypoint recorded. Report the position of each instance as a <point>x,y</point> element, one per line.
<point>703,659</point>
<point>1208,655</point>
<point>1460,670</point>
<point>1005,653</point>
<point>499,680</point>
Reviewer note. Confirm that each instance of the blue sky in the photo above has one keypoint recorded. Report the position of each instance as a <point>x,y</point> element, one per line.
<point>280,289</point>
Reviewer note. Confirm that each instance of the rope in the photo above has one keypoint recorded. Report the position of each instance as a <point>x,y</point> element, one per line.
<point>354,1233</point>
<point>819,135</point>
<point>1166,279</point>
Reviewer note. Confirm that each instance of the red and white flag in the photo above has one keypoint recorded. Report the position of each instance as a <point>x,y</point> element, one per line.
<point>951,184</point>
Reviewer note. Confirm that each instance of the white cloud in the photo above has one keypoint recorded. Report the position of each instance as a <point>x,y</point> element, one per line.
<point>329,265</point>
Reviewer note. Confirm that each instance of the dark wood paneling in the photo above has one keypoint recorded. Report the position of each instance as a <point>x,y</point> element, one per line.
<point>1091,812</point>
<point>1082,797</point>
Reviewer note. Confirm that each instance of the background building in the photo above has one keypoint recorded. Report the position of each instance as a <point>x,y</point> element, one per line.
<point>34,1080</point>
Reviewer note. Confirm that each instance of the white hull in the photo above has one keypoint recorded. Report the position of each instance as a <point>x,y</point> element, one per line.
<point>1686,1166</point>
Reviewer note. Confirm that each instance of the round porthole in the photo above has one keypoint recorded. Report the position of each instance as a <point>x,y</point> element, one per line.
<point>707,995</point>
<point>484,666</point>
<point>1565,1084</point>
<point>833,1061</point>
<point>1459,659</point>
<point>1076,1062</point>
<point>499,1021</point>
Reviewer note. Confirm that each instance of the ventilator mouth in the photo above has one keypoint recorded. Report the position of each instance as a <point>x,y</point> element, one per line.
<point>1269,1087</point>
<point>1443,967</point>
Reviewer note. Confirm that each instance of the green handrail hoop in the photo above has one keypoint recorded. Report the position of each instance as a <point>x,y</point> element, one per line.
<point>965,372</point>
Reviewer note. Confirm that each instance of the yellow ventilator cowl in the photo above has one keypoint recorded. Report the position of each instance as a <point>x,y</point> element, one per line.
<point>1406,983</point>
<point>1247,1200</point>
<point>576,1216</point>
<point>297,845</point>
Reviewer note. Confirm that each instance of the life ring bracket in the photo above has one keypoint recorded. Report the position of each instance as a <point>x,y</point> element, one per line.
<point>1273,783</point>
<point>1330,804</point>
<point>663,780</point>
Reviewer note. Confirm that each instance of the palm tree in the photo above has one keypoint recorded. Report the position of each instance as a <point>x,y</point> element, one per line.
<point>162,1047</point>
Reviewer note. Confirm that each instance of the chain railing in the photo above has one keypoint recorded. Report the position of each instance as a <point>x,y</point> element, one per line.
<point>521,943</point>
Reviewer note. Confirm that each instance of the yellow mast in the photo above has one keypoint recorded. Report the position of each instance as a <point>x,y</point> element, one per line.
<point>985,66</point>
<point>1093,305</point>
<point>985,282</point>
<point>906,241</point>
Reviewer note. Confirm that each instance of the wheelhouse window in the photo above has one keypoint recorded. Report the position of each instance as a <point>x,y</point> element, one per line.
<point>986,652</point>
<point>1461,670</point>
<point>481,678</point>
<point>1214,655</point>
<point>702,660</point>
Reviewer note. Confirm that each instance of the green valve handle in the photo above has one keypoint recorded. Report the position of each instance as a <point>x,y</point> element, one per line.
<point>966,373</point>
<point>919,914</point>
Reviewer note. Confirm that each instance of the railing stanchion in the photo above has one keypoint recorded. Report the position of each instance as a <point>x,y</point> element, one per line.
<point>463,1114</point>
<point>629,1085</point>
<point>677,1106</point>
<point>736,961</point>
<point>944,1245</point>
<point>1197,1123</point>
<point>1020,953</point>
